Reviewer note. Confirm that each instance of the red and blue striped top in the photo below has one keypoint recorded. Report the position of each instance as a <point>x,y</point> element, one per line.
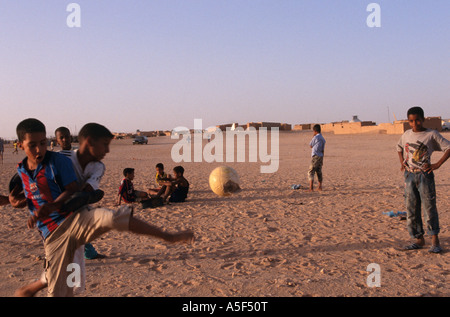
<point>44,185</point>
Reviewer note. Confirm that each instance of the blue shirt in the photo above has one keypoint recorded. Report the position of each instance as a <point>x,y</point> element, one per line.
<point>318,145</point>
<point>46,183</point>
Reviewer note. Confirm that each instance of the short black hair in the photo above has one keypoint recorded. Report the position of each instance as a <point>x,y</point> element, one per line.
<point>29,125</point>
<point>416,111</point>
<point>178,170</point>
<point>62,130</point>
<point>317,128</point>
<point>160,165</point>
<point>95,131</point>
<point>127,171</point>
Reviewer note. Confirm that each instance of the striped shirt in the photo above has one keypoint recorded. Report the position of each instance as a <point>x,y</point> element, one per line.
<point>126,191</point>
<point>44,185</point>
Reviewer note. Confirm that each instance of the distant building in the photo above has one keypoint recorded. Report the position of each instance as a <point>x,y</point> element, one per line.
<point>398,127</point>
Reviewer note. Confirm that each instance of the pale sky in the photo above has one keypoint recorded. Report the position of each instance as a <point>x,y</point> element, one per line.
<point>157,65</point>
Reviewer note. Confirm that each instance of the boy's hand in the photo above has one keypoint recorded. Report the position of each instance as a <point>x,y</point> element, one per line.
<point>17,198</point>
<point>31,223</point>
<point>45,210</point>
<point>431,167</point>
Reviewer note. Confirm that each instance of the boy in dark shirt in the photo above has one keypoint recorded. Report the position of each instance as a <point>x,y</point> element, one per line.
<point>127,193</point>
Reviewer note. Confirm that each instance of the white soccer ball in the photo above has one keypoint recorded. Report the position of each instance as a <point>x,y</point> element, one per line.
<point>224,181</point>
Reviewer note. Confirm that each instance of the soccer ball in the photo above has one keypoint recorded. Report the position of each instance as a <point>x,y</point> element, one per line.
<point>224,181</point>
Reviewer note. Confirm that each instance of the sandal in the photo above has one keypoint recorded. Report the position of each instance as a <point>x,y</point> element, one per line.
<point>413,246</point>
<point>435,249</point>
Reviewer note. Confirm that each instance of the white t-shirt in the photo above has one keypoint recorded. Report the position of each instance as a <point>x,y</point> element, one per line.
<point>417,147</point>
<point>92,175</point>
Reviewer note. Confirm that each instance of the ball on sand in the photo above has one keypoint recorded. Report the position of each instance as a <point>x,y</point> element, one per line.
<point>224,181</point>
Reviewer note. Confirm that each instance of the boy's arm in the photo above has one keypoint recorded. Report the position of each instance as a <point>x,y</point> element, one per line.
<point>17,198</point>
<point>48,208</point>
<point>119,199</point>
<point>439,163</point>
<point>167,183</point>
<point>119,194</point>
<point>402,161</point>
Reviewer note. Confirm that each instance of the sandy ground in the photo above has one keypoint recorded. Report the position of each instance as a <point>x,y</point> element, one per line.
<point>268,240</point>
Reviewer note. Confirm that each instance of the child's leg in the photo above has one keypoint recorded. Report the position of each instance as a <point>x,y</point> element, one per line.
<point>153,191</point>
<point>161,191</point>
<point>413,208</point>
<point>427,193</point>
<point>140,195</point>
<point>31,289</point>
<point>138,226</point>
<point>167,192</point>
<point>319,171</point>
<point>311,173</point>
<point>85,226</point>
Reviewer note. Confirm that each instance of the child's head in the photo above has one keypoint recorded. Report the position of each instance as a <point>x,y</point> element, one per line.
<point>160,168</point>
<point>96,138</point>
<point>129,173</point>
<point>178,171</point>
<point>416,118</point>
<point>316,128</point>
<point>32,139</point>
<point>63,138</point>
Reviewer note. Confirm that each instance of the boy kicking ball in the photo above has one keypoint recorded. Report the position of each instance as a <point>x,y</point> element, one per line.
<point>49,181</point>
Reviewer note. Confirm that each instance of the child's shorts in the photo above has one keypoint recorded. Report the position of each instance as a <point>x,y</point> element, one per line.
<point>78,229</point>
<point>178,196</point>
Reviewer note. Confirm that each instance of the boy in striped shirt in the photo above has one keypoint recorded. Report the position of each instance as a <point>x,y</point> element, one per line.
<point>49,181</point>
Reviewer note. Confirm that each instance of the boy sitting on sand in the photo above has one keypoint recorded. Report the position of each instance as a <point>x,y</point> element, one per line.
<point>127,193</point>
<point>160,177</point>
<point>177,188</point>
<point>49,181</point>
<point>414,150</point>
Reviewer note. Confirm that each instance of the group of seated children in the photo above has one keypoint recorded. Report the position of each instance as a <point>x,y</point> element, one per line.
<point>169,188</point>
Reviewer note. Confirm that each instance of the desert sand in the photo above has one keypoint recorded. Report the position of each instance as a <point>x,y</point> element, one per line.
<point>267,240</point>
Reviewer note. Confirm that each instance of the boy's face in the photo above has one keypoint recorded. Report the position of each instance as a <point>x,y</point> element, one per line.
<point>130,176</point>
<point>176,175</point>
<point>35,146</point>
<point>64,139</point>
<point>98,148</point>
<point>159,170</point>
<point>416,122</point>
